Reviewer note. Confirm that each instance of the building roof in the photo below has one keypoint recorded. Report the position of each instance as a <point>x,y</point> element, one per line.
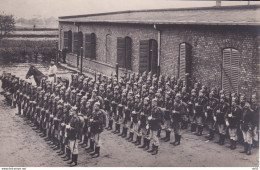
<point>224,15</point>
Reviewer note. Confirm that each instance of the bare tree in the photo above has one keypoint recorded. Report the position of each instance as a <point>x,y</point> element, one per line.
<point>7,25</point>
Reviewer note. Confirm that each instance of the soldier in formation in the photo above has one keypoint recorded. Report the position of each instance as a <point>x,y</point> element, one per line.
<point>137,107</point>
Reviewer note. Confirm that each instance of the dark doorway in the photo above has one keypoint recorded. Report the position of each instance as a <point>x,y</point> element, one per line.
<point>69,41</point>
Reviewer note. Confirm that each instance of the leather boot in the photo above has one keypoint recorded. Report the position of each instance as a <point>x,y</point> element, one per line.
<point>68,153</point>
<point>97,152</point>
<point>165,135</point>
<point>175,139</point>
<point>211,135</point>
<point>116,128</point>
<point>151,151</point>
<point>155,150</point>
<point>178,140</point>
<point>110,124</point>
<point>168,134</point>
<point>231,143</point>
<point>144,143</point>
<point>194,128</point>
<point>123,131</point>
<point>131,136</point>
<point>249,149</point>
<point>245,148</point>
<point>72,159</point>
<point>138,140</point>
<point>222,140</point>
<point>91,147</point>
<point>85,141</point>
<point>234,145</point>
<point>75,162</point>
<point>159,133</point>
<point>147,145</point>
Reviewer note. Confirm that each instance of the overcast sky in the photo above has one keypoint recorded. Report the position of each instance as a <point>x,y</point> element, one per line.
<point>56,8</point>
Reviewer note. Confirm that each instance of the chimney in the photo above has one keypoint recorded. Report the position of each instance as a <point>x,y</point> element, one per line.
<point>218,3</point>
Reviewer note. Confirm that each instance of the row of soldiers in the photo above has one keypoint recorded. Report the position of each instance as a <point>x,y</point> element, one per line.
<point>143,105</point>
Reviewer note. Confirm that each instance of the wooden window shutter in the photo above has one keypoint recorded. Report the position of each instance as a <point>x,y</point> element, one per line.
<point>75,43</point>
<point>234,70</point>
<point>66,39</point>
<point>93,46</point>
<point>182,61</point>
<point>121,52</point>
<point>88,45</point>
<point>128,52</point>
<point>226,70</point>
<point>144,56</point>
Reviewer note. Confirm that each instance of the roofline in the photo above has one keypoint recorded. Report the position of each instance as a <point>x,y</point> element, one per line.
<point>147,22</point>
<point>167,9</point>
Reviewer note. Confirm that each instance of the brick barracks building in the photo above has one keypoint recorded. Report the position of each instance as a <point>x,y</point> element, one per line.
<point>217,46</point>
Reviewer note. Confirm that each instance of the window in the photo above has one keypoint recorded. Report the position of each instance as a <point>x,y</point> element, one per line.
<point>90,46</point>
<point>66,39</point>
<point>108,49</point>
<point>230,70</point>
<point>75,42</point>
<point>124,52</point>
<point>184,61</point>
<point>148,57</point>
<point>67,43</point>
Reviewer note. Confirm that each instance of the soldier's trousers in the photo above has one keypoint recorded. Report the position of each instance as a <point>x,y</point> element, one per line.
<point>74,146</point>
<point>167,124</point>
<point>96,139</point>
<point>233,133</point>
<point>144,131</point>
<point>255,134</point>
<point>247,135</point>
<point>211,124</point>
<point>222,128</point>
<point>153,137</point>
<point>176,128</point>
<point>199,120</point>
<point>135,128</point>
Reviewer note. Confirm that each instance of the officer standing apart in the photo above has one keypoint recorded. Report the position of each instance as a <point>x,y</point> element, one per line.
<point>52,72</point>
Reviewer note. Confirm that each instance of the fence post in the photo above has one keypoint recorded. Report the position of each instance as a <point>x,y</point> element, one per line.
<point>81,57</point>
<point>117,71</point>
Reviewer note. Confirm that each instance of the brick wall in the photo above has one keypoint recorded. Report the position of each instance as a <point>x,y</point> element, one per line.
<point>207,44</point>
<point>135,32</point>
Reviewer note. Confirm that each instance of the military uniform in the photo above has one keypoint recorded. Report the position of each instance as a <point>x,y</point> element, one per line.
<point>220,113</point>
<point>97,121</point>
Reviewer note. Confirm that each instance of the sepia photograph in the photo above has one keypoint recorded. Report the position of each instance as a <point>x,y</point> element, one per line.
<point>129,83</point>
